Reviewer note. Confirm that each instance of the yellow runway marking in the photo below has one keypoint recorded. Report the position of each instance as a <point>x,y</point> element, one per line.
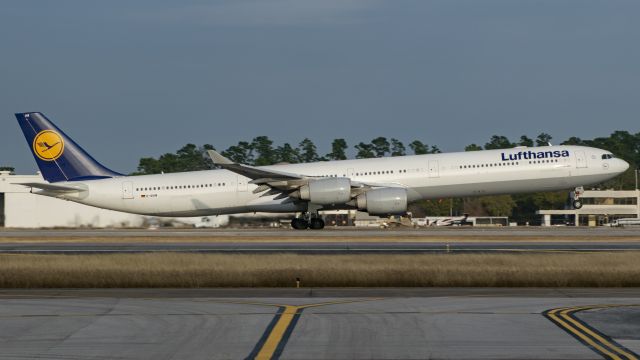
<point>286,317</point>
<point>600,343</point>
<point>278,334</point>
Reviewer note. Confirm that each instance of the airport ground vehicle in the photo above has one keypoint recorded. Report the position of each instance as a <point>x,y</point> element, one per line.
<point>626,222</point>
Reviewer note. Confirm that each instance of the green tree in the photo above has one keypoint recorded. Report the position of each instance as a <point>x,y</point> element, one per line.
<point>308,151</point>
<point>498,142</point>
<point>573,141</point>
<point>263,149</point>
<point>7,168</point>
<point>525,141</point>
<point>338,150</point>
<point>188,158</point>
<point>287,154</point>
<point>499,205</point>
<point>397,148</point>
<point>436,207</point>
<point>365,151</point>
<point>473,147</point>
<point>528,204</point>
<point>419,148</point>
<point>543,139</point>
<point>381,146</point>
<point>241,153</point>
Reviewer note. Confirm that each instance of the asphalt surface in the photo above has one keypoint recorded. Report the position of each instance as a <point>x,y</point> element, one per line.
<point>315,247</point>
<point>330,241</point>
<point>568,232</point>
<point>316,323</point>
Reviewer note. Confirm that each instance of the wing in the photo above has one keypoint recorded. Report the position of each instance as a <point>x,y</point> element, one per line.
<point>280,181</point>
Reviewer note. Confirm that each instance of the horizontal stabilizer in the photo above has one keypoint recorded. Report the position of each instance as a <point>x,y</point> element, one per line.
<point>53,187</point>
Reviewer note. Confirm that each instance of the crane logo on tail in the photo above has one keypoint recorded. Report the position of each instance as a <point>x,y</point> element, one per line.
<point>48,145</point>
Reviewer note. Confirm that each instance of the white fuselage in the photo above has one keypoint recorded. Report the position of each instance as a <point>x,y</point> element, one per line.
<point>477,173</point>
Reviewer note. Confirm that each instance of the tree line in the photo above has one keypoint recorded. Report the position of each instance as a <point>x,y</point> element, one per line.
<point>521,208</point>
<point>262,151</point>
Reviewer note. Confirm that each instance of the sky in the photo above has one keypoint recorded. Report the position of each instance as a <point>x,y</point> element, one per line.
<point>132,79</point>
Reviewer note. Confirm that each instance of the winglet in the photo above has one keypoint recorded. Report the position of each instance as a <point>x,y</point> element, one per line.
<point>218,159</point>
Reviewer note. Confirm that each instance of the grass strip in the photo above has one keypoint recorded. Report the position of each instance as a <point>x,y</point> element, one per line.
<point>159,270</point>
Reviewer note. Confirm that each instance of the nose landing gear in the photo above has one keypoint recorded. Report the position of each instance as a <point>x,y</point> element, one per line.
<point>577,204</point>
<point>575,196</point>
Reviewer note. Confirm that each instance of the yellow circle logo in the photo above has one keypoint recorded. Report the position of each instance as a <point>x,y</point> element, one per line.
<point>48,145</point>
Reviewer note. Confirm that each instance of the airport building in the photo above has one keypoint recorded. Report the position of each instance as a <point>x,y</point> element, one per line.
<point>600,207</point>
<point>19,208</point>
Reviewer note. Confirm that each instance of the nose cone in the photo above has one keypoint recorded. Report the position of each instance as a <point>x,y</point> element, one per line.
<point>623,165</point>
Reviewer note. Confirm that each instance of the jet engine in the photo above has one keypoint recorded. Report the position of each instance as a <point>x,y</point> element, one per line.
<point>326,191</point>
<point>384,201</point>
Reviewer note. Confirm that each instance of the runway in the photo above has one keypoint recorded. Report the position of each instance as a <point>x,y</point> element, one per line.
<point>331,241</point>
<point>314,247</point>
<point>321,323</point>
<point>522,232</point>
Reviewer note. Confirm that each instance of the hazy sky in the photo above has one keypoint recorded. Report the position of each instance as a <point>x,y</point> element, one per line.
<point>128,79</point>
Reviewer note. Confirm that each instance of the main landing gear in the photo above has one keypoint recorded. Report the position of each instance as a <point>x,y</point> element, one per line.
<point>575,197</point>
<point>307,221</point>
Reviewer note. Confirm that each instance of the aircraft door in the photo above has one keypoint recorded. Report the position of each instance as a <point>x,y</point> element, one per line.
<point>581,159</point>
<point>434,169</point>
<point>127,190</point>
<point>350,173</point>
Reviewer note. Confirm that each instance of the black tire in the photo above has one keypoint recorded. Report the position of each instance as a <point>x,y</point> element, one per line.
<point>299,224</point>
<point>577,204</point>
<point>316,224</point>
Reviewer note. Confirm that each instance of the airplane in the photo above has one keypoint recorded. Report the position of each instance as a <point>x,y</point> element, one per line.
<point>457,221</point>
<point>379,186</point>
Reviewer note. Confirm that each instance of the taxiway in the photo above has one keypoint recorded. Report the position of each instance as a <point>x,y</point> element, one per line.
<point>321,323</point>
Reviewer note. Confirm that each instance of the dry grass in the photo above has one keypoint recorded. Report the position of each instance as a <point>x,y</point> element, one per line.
<point>218,270</point>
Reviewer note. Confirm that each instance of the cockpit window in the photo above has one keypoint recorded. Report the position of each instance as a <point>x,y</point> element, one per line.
<point>607,156</point>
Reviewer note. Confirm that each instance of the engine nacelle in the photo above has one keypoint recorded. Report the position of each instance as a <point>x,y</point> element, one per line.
<point>327,191</point>
<point>385,201</point>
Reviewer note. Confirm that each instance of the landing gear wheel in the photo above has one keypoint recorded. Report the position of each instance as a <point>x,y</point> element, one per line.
<point>577,204</point>
<point>316,224</point>
<point>299,224</point>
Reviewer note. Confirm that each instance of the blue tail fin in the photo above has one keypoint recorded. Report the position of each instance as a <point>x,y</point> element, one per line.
<point>59,158</point>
